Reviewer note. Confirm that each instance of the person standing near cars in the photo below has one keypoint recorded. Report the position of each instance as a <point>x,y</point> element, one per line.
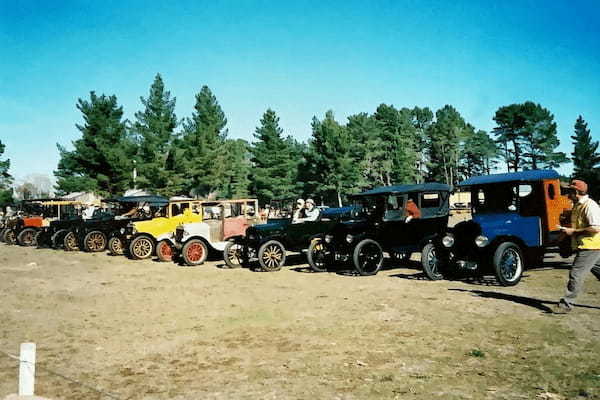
<point>585,242</point>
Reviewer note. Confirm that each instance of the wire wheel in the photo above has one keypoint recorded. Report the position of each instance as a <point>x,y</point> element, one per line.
<point>141,247</point>
<point>508,264</point>
<point>234,255</point>
<point>164,251</point>
<point>368,257</point>
<point>95,241</point>
<point>318,256</point>
<point>70,242</point>
<point>431,262</point>
<point>194,252</point>
<point>27,237</point>
<point>56,240</point>
<point>271,256</point>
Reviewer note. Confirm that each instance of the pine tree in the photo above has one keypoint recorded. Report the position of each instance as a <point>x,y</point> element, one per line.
<point>422,118</point>
<point>204,136</point>
<point>274,170</point>
<point>368,150</point>
<point>331,170</point>
<point>101,160</point>
<point>154,131</point>
<point>478,153</point>
<point>6,193</point>
<point>237,181</point>
<point>586,158</point>
<point>444,138</point>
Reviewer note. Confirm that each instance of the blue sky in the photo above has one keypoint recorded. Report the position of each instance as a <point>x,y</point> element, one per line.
<point>300,59</point>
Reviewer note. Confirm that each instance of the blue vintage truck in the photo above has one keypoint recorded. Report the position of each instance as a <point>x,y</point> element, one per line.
<point>515,219</point>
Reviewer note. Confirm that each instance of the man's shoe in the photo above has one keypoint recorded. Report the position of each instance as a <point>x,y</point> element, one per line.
<point>562,308</point>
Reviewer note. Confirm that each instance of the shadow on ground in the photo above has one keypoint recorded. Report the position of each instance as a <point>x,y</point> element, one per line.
<point>542,305</point>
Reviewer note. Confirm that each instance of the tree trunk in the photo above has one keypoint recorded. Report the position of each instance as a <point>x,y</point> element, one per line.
<point>339,196</point>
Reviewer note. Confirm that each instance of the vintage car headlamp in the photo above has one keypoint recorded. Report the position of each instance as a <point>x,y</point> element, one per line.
<point>122,231</point>
<point>481,241</point>
<point>349,238</point>
<point>328,238</point>
<point>448,240</point>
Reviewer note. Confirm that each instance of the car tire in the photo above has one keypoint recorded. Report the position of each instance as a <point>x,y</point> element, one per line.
<point>165,252</point>
<point>141,247</point>
<point>368,257</point>
<point>41,238</point>
<point>94,242</point>
<point>70,242</point>
<point>27,237</point>
<point>115,246</point>
<point>10,237</point>
<point>508,264</point>
<point>317,256</point>
<point>271,256</point>
<point>234,255</point>
<point>432,262</point>
<point>56,240</point>
<point>194,252</point>
<point>2,232</point>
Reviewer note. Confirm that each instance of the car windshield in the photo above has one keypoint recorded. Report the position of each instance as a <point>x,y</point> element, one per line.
<point>280,209</point>
<point>370,207</point>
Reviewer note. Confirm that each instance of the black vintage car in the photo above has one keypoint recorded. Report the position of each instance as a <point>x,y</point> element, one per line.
<point>95,234</point>
<point>399,220</point>
<point>270,242</point>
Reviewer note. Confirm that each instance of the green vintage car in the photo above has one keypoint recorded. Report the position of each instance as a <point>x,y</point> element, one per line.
<point>268,243</point>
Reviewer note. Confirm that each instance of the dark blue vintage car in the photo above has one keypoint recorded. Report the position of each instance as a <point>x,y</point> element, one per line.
<point>515,219</point>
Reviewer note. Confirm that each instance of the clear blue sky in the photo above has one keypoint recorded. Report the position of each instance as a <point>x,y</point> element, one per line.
<point>300,59</point>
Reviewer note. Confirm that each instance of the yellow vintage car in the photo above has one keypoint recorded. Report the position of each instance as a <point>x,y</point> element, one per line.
<point>141,237</point>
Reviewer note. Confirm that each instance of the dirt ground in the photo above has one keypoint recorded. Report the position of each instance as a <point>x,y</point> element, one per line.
<point>149,330</point>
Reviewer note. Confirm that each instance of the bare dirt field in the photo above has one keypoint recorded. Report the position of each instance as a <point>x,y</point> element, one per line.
<point>148,330</point>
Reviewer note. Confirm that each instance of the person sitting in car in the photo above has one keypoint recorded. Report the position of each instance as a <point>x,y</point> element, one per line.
<point>412,210</point>
<point>311,212</point>
<point>299,212</point>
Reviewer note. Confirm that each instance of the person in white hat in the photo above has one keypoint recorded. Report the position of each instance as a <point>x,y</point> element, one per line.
<point>311,212</point>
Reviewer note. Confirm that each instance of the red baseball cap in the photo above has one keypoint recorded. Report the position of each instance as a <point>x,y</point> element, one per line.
<point>579,185</point>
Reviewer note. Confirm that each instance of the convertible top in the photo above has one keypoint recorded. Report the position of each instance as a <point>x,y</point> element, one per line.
<point>422,187</point>
<point>521,176</point>
<point>152,200</point>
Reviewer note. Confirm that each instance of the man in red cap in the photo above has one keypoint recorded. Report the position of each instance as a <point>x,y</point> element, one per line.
<point>585,242</point>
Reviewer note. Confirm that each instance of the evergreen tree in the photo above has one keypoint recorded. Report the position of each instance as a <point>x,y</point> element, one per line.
<point>422,118</point>
<point>368,150</point>
<point>444,138</point>
<point>154,129</point>
<point>527,135</point>
<point>400,139</point>
<point>586,158</point>
<point>274,172</point>
<point>236,179</point>
<point>204,136</point>
<point>101,160</point>
<point>6,193</point>
<point>478,154</point>
<point>332,173</point>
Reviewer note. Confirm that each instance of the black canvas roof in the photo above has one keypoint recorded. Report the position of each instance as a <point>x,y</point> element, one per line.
<point>397,189</point>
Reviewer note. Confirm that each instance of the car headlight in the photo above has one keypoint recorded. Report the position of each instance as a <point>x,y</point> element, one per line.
<point>481,241</point>
<point>122,231</point>
<point>448,240</point>
<point>328,238</point>
<point>349,238</point>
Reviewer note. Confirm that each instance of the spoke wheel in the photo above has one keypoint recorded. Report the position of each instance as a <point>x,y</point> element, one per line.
<point>70,242</point>
<point>271,256</point>
<point>508,264</point>
<point>234,255</point>
<point>115,246</point>
<point>95,241</point>
<point>141,247</point>
<point>27,237</point>
<point>194,252</point>
<point>431,262</point>
<point>318,256</point>
<point>368,257</point>
<point>164,251</point>
<point>56,241</point>
<point>10,237</point>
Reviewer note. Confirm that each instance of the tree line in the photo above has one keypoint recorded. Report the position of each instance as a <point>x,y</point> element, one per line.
<point>195,155</point>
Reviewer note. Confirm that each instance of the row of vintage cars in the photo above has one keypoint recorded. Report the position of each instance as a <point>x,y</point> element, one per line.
<point>515,219</point>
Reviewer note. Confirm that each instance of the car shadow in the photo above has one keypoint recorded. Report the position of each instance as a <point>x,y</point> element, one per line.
<point>539,304</point>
